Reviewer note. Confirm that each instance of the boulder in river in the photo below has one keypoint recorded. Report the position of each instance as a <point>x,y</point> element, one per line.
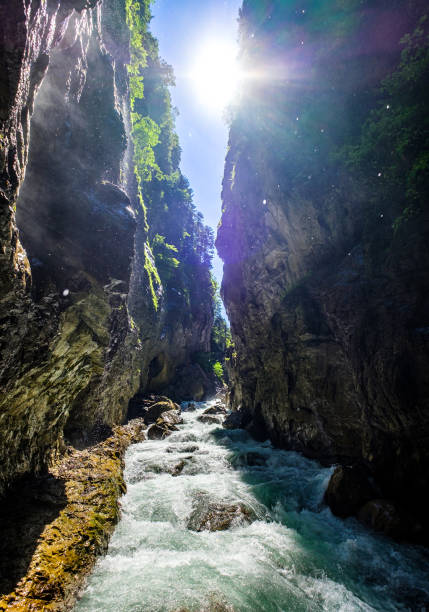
<point>178,468</point>
<point>218,516</point>
<point>164,425</point>
<point>382,515</point>
<point>237,419</point>
<point>348,490</point>
<point>216,409</point>
<point>171,417</point>
<point>210,419</point>
<point>157,432</point>
<point>158,408</point>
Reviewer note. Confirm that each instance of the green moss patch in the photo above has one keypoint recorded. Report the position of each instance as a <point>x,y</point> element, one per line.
<point>68,546</point>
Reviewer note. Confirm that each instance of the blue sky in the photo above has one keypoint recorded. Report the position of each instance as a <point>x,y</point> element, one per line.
<point>181,27</point>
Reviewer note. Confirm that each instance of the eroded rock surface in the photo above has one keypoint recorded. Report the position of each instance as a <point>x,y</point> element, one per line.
<point>86,322</point>
<point>325,282</point>
<point>210,419</point>
<point>218,516</point>
<point>68,518</point>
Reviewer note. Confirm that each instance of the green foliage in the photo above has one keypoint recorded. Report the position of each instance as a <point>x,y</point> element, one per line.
<point>137,17</point>
<point>153,276</point>
<point>393,151</point>
<point>343,122</point>
<point>214,361</point>
<point>218,370</point>
<point>145,133</point>
<point>179,246</point>
<point>165,259</point>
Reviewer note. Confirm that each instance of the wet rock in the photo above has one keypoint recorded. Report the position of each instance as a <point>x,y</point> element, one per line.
<point>348,490</point>
<point>218,516</point>
<point>382,515</point>
<point>158,431</point>
<point>235,420</point>
<point>191,407</point>
<point>178,468</point>
<point>61,522</point>
<point>154,411</point>
<point>251,459</point>
<point>171,417</point>
<point>210,419</point>
<point>216,409</point>
<point>165,425</point>
<point>192,448</point>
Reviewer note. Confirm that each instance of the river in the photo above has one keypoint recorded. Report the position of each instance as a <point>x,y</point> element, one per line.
<point>295,557</point>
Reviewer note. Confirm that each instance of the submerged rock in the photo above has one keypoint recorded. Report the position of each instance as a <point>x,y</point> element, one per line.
<point>251,459</point>
<point>192,448</point>
<point>178,468</point>
<point>216,603</point>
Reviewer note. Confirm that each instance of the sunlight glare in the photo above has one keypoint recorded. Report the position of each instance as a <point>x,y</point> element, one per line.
<point>216,74</point>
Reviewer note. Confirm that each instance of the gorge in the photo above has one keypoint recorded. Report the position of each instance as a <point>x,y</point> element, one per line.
<point>311,494</point>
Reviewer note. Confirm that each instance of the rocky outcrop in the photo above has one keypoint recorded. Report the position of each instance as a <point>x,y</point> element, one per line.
<point>80,333</point>
<point>325,276</point>
<point>74,509</point>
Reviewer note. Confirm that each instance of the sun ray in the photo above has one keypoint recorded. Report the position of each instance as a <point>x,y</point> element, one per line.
<point>216,74</point>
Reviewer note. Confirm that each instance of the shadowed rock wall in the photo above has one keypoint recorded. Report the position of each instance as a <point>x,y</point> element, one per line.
<point>325,284</point>
<point>78,330</point>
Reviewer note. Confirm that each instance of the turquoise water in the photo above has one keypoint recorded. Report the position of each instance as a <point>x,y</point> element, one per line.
<point>296,557</point>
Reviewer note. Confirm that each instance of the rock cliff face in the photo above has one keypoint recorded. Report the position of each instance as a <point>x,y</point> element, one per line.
<point>80,333</point>
<point>324,237</point>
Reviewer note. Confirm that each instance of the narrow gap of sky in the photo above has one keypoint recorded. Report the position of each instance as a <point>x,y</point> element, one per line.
<point>183,28</point>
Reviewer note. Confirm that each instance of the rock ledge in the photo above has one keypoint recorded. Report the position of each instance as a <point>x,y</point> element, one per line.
<point>69,545</point>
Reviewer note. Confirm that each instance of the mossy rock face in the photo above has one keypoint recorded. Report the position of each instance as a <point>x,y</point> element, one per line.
<point>69,545</point>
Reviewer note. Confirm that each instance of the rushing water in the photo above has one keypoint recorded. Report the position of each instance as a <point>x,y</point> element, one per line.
<point>297,556</point>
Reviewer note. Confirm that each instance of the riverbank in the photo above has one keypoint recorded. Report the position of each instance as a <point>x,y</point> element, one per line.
<point>54,527</point>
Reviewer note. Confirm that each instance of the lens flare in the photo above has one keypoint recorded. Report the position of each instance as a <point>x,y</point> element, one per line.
<point>216,74</point>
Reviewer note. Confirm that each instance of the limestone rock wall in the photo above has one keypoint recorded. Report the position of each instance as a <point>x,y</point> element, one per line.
<point>78,333</point>
<point>328,304</point>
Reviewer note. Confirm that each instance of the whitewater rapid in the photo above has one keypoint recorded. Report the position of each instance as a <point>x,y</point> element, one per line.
<point>295,557</point>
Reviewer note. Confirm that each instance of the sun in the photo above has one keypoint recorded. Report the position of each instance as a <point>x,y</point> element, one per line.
<point>216,74</point>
